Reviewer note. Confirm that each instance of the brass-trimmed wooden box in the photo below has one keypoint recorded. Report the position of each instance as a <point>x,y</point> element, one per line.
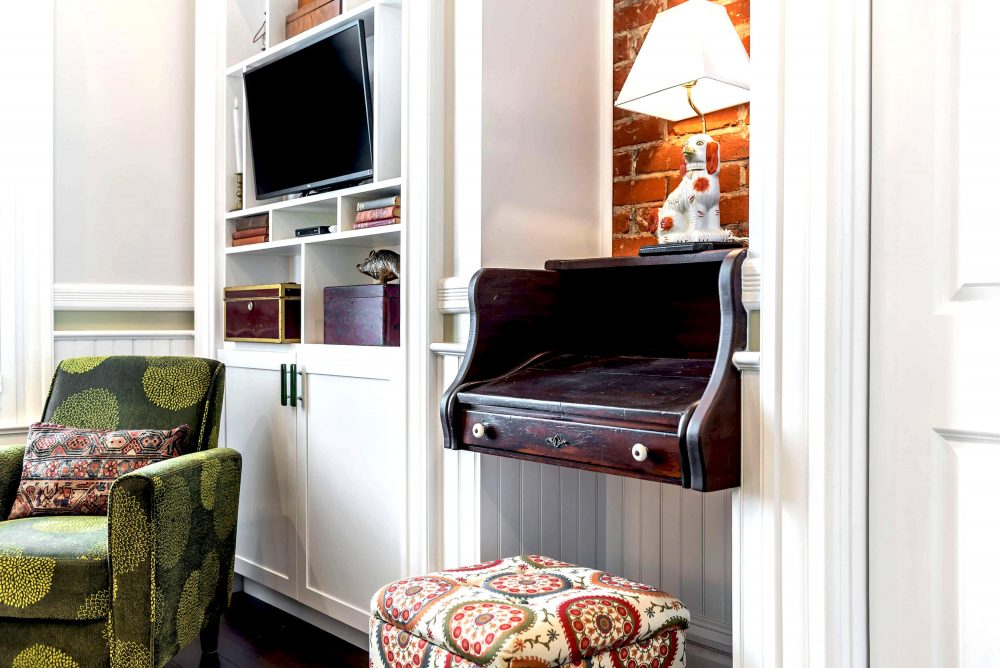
<point>264,313</point>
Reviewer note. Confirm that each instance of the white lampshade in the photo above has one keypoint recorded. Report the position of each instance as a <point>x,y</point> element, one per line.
<point>694,41</point>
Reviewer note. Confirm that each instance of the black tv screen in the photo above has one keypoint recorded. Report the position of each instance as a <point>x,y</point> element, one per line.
<point>309,116</point>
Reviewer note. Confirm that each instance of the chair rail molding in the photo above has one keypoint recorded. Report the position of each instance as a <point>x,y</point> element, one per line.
<point>122,297</point>
<point>801,535</point>
<point>453,295</point>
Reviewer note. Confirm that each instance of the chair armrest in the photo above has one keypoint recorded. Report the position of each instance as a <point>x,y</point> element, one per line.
<point>11,463</point>
<point>171,549</point>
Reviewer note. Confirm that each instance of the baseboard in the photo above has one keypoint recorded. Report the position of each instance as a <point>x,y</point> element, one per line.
<point>305,613</point>
<point>699,656</point>
<point>711,634</point>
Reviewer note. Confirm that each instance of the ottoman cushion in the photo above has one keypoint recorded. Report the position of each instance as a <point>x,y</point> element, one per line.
<point>526,612</point>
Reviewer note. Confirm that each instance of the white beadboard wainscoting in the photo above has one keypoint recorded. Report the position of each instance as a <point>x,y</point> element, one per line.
<point>125,342</point>
<point>662,535</point>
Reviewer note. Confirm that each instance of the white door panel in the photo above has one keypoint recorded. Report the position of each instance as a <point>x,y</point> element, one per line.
<point>263,431</point>
<point>935,367</point>
<point>351,464</point>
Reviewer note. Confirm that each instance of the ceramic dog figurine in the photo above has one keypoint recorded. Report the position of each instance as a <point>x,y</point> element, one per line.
<point>691,211</point>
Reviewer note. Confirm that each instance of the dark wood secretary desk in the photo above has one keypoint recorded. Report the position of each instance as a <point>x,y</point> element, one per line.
<point>616,365</point>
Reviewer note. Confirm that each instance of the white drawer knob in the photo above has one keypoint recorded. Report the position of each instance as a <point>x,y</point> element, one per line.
<point>639,452</point>
<point>479,430</point>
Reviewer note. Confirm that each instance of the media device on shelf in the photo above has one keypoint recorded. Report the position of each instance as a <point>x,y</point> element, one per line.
<point>310,116</point>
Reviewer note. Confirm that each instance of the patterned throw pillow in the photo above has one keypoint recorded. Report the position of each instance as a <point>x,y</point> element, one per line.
<point>69,471</point>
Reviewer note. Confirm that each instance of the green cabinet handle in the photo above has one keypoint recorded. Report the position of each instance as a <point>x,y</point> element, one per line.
<point>294,395</point>
<point>284,385</point>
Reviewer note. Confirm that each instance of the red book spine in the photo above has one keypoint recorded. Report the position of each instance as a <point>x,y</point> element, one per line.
<point>377,214</point>
<point>376,223</point>
<point>253,232</point>
<point>246,241</point>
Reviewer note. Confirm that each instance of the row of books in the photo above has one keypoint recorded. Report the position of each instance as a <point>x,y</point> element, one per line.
<point>250,230</point>
<point>377,212</point>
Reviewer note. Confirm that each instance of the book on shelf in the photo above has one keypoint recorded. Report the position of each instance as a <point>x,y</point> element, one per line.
<point>365,224</point>
<point>246,241</point>
<point>250,222</point>
<point>252,232</point>
<point>379,203</point>
<point>377,214</point>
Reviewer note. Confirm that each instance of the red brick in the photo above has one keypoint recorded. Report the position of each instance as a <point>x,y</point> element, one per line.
<point>627,246</point>
<point>734,209</point>
<point>729,177</point>
<point>641,13</point>
<point>661,157</point>
<point>638,130</point>
<point>620,114</point>
<point>621,164</point>
<point>622,51</point>
<point>621,73</point>
<point>635,191</point>
<point>713,121</point>
<point>746,42</point>
<point>739,11</point>
<point>733,147</point>
<point>619,222</point>
<point>646,218</point>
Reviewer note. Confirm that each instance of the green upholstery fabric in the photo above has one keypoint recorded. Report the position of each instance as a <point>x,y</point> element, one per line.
<point>11,460</point>
<point>58,644</point>
<point>173,543</point>
<point>171,526</point>
<point>54,568</point>
<point>125,392</point>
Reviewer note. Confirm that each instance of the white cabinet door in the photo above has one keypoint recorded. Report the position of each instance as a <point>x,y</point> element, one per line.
<point>264,433</point>
<point>351,467</point>
<point>935,369</point>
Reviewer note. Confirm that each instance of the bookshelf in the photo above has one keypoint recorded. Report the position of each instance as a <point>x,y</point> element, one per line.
<point>307,517</point>
<point>329,259</point>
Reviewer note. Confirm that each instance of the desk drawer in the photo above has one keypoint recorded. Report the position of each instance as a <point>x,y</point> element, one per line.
<point>596,447</point>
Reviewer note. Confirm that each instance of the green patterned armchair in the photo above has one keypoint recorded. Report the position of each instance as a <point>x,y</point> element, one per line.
<point>133,588</point>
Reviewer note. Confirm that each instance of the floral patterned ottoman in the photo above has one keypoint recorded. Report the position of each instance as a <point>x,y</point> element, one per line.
<point>525,612</point>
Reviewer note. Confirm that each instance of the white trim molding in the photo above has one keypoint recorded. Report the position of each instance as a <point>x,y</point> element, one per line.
<point>27,65</point>
<point>802,553</point>
<point>125,334</point>
<point>122,297</point>
<point>453,295</point>
<point>751,284</point>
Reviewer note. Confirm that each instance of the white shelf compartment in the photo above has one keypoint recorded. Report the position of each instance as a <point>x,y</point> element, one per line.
<point>365,12</point>
<point>372,237</point>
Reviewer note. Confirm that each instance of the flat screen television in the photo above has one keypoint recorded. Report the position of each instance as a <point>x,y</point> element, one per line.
<point>309,115</point>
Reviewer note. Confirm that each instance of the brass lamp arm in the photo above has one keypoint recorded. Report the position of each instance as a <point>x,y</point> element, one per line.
<point>688,86</point>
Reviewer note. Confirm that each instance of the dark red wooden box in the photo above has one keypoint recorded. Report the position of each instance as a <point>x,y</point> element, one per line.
<point>361,315</point>
<point>264,313</point>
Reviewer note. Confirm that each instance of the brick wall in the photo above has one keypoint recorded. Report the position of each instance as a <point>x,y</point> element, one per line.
<point>647,153</point>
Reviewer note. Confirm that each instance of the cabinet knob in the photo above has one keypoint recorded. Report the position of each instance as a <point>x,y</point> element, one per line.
<point>249,306</point>
<point>639,452</point>
<point>479,430</point>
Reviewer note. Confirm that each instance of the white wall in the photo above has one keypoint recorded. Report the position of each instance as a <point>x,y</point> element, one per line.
<point>124,77</point>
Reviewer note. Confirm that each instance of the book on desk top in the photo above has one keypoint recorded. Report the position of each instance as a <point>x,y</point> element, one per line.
<point>381,202</point>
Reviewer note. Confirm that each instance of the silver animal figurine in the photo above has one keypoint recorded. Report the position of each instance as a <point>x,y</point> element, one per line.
<point>382,265</point>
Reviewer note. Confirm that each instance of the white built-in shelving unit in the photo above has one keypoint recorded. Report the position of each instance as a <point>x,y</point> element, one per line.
<point>319,530</point>
<point>323,260</point>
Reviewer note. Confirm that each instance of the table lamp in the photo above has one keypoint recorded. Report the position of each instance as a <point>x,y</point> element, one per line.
<point>691,63</point>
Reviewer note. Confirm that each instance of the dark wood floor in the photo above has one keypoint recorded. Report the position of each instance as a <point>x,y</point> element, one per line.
<point>257,635</point>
